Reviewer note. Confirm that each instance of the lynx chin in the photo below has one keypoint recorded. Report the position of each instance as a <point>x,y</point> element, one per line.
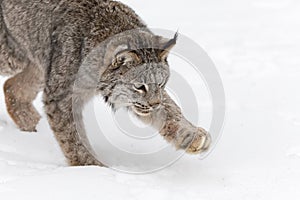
<point>44,43</point>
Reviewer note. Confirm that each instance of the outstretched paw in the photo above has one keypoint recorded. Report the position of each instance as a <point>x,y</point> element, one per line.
<point>200,142</point>
<point>194,141</point>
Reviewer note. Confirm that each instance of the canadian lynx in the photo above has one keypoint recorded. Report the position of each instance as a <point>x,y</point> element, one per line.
<point>42,46</point>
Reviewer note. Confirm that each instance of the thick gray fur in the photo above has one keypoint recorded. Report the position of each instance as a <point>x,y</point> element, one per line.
<point>74,50</point>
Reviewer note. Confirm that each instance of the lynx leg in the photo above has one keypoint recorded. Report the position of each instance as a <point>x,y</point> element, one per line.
<point>176,129</point>
<point>65,118</point>
<point>61,119</point>
<point>20,91</point>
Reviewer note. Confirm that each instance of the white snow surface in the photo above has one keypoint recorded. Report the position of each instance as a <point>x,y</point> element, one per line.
<point>255,45</point>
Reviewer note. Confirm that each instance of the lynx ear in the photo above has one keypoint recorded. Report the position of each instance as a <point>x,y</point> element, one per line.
<point>124,57</point>
<point>166,48</point>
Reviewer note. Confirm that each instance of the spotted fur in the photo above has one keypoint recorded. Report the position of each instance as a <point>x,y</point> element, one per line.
<point>74,50</point>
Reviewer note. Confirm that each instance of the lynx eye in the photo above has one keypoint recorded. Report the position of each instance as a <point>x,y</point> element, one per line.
<point>141,88</point>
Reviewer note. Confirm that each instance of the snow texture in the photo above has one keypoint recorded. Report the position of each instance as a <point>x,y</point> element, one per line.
<point>255,45</point>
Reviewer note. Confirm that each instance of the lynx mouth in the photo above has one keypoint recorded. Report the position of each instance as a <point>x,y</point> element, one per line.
<point>141,111</point>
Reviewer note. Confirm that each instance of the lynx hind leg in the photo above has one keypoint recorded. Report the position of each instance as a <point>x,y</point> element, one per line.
<point>20,91</point>
<point>12,59</point>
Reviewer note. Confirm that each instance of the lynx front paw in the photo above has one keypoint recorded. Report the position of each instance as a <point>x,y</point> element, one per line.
<point>83,160</point>
<point>200,142</point>
<point>194,141</point>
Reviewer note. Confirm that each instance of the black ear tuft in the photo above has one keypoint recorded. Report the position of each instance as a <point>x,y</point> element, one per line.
<point>171,43</point>
<point>167,47</point>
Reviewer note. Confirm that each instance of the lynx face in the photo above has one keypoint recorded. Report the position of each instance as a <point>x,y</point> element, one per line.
<point>140,89</point>
<point>136,78</point>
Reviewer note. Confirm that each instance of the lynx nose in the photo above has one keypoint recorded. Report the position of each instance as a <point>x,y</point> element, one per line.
<point>154,103</point>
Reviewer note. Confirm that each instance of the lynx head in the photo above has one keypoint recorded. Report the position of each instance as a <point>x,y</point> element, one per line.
<point>136,77</point>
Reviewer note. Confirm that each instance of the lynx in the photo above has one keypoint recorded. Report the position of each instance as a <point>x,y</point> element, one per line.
<point>42,46</point>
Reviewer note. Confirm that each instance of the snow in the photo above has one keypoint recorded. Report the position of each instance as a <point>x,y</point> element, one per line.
<point>255,45</point>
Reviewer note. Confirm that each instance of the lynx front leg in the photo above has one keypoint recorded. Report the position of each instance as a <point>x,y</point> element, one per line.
<point>60,112</point>
<point>65,118</point>
<point>20,91</point>
<point>179,131</point>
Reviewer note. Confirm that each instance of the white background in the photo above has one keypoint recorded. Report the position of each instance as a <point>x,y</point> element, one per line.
<point>255,45</point>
